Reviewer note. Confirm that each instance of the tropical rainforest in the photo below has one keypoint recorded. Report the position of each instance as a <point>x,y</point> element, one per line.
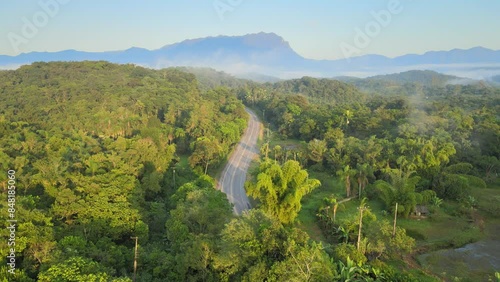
<point>115,170</point>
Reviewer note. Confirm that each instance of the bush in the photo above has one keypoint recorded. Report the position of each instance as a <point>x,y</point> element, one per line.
<point>345,250</point>
<point>428,196</point>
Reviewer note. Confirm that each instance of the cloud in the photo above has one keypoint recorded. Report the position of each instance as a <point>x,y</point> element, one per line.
<point>10,67</point>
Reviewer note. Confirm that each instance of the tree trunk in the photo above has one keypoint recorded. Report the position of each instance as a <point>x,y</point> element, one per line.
<point>395,218</point>
<point>359,188</point>
<point>335,206</point>
<point>348,186</point>
<point>360,226</point>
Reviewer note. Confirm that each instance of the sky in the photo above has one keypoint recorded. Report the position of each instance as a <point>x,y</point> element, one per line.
<point>316,29</point>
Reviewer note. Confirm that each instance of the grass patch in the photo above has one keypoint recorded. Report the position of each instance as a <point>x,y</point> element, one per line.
<point>311,203</point>
<point>453,226</point>
<point>488,200</point>
<point>417,274</point>
<point>284,143</point>
<point>183,162</point>
<point>453,266</point>
<point>440,231</point>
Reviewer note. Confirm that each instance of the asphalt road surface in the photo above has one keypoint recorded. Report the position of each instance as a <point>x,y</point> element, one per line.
<point>233,176</point>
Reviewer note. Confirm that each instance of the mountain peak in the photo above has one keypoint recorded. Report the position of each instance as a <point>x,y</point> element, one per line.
<point>261,40</point>
<point>265,40</point>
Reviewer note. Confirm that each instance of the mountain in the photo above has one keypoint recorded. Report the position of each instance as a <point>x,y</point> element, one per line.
<point>269,55</point>
<point>455,56</point>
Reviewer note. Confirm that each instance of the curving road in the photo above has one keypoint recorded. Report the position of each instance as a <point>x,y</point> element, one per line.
<point>233,176</point>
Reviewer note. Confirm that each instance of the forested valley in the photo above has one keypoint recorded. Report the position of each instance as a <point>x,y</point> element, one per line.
<point>352,184</point>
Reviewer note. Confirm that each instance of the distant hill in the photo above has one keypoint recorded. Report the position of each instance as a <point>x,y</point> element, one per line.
<point>426,77</point>
<point>410,83</point>
<point>320,90</point>
<point>209,78</point>
<point>266,55</point>
<point>422,77</point>
<point>455,56</point>
<point>257,77</point>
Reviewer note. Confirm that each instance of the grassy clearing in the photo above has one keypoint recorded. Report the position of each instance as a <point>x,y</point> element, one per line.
<point>183,161</point>
<point>452,227</point>
<point>488,201</point>
<point>441,231</point>
<point>311,203</point>
<point>449,226</point>
<point>284,143</point>
<point>452,267</point>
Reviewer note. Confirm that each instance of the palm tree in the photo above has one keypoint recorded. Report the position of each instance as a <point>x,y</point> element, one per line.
<point>347,115</point>
<point>363,171</point>
<point>316,150</point>
<point>400,189</point>
<point>346,174</point>
<point>333,204</point>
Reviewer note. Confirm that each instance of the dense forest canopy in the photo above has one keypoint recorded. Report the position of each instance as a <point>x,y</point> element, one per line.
<point>405,142</point>
<point>93,145</point>
<point>106,153</point>
<point>462,118</point>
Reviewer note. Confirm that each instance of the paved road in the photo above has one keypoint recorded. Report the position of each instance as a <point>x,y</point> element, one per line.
<point>233,176</point>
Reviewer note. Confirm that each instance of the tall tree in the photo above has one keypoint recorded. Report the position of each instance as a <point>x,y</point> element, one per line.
<point>281,188</point>
<point>205,152</point>
<point>346,175</point>
<point>400,189</point>
<point>316,150</point>
<point>363,173</point>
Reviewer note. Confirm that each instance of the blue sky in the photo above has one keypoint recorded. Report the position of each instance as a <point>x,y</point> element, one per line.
<point>315,28</point>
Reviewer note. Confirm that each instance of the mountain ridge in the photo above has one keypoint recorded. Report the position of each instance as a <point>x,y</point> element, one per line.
<point>269,54</point>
